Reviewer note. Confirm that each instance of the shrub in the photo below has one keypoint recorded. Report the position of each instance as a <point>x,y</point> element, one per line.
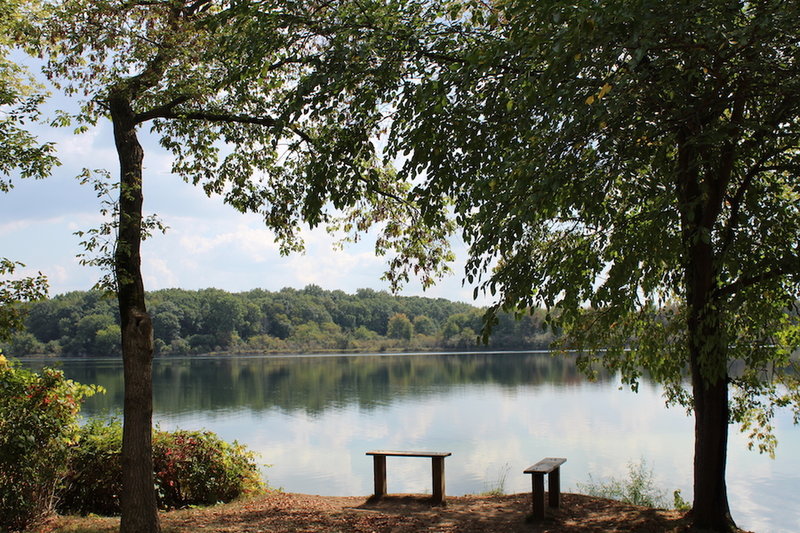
<point>93,481</point>
<point>199,468</point>
<point>190,467</point>
<point>38,424</point>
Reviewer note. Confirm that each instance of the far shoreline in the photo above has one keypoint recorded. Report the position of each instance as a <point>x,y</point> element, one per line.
<point>284,354</point>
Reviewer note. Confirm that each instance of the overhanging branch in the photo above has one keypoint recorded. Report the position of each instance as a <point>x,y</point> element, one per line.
<point>743,283</point>
<point>168,112</point>
<point>161,111</point>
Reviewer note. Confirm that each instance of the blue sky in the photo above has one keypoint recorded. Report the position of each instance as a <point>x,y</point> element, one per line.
<point>208,244</point>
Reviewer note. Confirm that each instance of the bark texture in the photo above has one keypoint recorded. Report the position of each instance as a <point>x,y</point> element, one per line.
<point>710,510</point>
<point>700,198</point>
<point>138,498</point>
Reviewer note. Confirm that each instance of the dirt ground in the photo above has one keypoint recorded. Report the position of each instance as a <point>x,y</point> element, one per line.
<point>302,513</point>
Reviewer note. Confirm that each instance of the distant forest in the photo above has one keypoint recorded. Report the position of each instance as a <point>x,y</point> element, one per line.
<point>86,323</point>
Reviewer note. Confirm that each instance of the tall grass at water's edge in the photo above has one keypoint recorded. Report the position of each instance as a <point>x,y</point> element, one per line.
<point>639,488</point>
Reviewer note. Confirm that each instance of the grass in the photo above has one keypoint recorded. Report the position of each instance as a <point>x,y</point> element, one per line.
<point>497,487</point>
<point>638,488</point>
<point>86,524</point>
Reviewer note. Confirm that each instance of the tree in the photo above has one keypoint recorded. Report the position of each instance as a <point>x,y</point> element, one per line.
<point>631,164</point>
<point>20,154</point>
<point>205,77</point>
<point>425,325</point>
<point>166,320</point>
<point>220,316</point>
<point>13,295</point>
<point>399,327</point>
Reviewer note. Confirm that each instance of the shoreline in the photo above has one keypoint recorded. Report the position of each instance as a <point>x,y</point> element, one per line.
<point>284,354</point>
<point>279,512</point>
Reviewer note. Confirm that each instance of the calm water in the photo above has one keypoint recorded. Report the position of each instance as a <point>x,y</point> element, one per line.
<point>313,418</point>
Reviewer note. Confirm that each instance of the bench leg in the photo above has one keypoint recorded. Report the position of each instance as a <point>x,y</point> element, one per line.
<point>379,462</point>
<point>554,488</point>
<point>437,467</point>
<point>538,495</point>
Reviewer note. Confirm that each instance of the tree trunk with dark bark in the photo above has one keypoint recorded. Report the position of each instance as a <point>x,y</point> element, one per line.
<point>138,498</point>
<point>700,198</point>
<point>708,360</point>
<point>711,510</point>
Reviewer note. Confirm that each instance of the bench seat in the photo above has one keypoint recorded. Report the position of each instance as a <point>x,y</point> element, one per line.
<point>409,454</point>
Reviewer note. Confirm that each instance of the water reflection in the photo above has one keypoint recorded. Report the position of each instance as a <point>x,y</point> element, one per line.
<point>316,384</point>
<point>314,418</point>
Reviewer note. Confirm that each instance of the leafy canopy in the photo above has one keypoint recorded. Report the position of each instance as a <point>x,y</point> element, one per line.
<point>212,77</point>
<point>590,153</point>
<point>20,96</point>
<point>20,153</point>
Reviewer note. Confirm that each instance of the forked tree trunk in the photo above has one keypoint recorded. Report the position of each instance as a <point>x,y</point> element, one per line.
<point>138,498</point>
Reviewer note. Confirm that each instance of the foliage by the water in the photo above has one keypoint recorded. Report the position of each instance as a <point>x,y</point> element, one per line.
<point>38,430</point>
<point>13,294</point>
<point>497,486</point>
<point>191,468</point>
<point>639,488</point>
<point>48,461</point>
<point>312,319</point>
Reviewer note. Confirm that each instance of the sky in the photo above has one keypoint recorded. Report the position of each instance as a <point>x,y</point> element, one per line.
<point>208,244</point>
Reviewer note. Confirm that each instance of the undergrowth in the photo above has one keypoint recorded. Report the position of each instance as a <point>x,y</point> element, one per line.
<point>639,488</point>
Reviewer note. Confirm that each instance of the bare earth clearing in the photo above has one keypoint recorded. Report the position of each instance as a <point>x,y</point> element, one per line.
<point>295,513</point>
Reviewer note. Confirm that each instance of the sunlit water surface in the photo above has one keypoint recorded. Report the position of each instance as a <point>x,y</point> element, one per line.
<point>312,418</point>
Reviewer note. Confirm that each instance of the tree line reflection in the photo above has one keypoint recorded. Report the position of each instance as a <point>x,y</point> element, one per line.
<point>316,383</point>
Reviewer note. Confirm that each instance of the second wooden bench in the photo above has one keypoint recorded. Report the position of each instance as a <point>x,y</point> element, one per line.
<point>550,466</point>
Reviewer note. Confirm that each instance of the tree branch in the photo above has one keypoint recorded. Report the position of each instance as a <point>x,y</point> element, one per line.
<point>197,7</point>
<point>744,283</point>
<point>161,111</point>
<point>783,110</point>
<point>168,113</point>
<point>134,86</point>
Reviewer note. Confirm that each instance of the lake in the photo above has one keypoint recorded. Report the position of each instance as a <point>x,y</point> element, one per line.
<point>312,418</point>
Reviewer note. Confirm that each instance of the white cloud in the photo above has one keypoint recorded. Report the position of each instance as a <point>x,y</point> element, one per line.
<point>255,244</point>
<point>208,244</point>
<point>157,274</point>
<point>15,226</point>
<point>93,149</point>
<point>57,274</point>
<point>333,268</point>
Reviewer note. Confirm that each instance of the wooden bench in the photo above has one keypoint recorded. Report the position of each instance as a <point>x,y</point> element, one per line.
<point>437,466</point>
<point>550,466</point>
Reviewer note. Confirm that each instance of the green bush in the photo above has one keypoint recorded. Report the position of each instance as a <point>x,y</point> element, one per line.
<point>199,468</point>
<point>190,467</point>
<point>93,481</point>
<point>38,425</point>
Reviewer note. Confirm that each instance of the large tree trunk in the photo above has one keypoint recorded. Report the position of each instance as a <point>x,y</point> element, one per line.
<point>709,368</point>
<point>138,498</point>
<point>700,198</point>
<point>710,509</point>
